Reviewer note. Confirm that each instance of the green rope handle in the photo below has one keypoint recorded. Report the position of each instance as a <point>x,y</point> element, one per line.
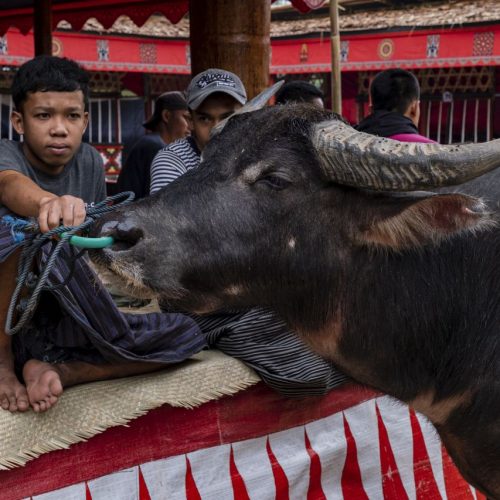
<point>84,242</point>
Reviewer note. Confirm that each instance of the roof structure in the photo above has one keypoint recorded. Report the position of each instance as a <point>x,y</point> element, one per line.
<point>356,15</point>
<point>383,16</point>
<point>19,13</point>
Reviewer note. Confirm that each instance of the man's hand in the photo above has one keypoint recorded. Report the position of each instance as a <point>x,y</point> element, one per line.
<point>54,210</point>
<point>21,195</point>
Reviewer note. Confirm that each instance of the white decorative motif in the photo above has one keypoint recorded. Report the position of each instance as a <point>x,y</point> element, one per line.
<point>344,51</point>
<point>432,46</point>
<point>103,50</point>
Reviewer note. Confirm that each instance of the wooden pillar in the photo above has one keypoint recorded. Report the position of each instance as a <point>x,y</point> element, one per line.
<point>42,26</point>
<point>335,44</point>
<point>232,35</point>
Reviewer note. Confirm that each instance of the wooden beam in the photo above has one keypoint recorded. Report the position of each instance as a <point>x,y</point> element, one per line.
<point>335,46</point>
<point>232,35</point>
<point>42,27</point>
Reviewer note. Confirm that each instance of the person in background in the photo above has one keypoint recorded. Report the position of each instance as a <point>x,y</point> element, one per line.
<point>170,121</point>
<point>212,96</point>
<point>395,103</point>
<point>300,91</point>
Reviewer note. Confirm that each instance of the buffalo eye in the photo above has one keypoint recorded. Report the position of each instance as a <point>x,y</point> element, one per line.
<point>275,181</point>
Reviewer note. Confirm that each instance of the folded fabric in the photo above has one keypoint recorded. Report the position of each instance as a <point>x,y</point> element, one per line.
<point>78,320</point>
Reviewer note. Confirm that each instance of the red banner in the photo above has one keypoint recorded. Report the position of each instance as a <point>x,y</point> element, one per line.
<point>466,46</point>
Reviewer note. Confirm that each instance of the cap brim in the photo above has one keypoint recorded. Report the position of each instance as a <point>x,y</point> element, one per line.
<point>195,103</point>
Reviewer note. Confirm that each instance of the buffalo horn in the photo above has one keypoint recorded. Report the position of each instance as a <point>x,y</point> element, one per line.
<point>258,102</point>
<point>362,160</point>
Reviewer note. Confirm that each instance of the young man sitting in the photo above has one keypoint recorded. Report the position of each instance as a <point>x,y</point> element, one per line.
<point>52,176</point>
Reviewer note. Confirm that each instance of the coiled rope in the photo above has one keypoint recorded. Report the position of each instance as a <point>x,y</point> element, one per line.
<point>65,234</point>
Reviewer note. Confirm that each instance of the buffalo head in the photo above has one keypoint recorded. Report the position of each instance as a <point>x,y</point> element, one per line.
<point>283,201</point>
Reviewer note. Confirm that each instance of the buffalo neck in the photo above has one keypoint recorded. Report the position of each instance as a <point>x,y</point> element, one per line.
<point>410,321</point>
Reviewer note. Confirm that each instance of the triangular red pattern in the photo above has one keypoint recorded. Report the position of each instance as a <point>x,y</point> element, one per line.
<point>479,495</point>
<point>352,484</point>
<point>456,486</point>
<point>392,485</point>
<point>88,496</point>
<point>314,491</point>
<point>143,489</point>
<point>425,482</point>
<point>239,489</point>
<point>192,492</point>
<point>280,479</point>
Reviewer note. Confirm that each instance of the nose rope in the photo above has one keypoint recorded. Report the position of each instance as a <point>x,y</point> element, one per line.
<point>26,277</point>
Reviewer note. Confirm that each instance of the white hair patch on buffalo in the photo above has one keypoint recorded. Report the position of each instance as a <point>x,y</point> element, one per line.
<point>233,290</point>
<point>291,243</point>
<point>133,277</point>
<point>253,172</point>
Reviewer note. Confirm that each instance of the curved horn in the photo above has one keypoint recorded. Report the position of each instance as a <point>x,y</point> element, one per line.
<point>258,102</point>
<point>366,161</point>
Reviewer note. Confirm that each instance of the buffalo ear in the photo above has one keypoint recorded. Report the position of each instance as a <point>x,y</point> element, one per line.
<point>413,220</point>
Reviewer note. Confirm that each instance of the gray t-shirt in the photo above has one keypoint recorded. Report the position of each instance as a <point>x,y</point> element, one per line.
<point>83,176</point>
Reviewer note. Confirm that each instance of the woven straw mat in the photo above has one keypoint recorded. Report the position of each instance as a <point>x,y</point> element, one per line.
<point>86,410</point>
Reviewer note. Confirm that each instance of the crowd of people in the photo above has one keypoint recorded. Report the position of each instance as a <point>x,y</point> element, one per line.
<point>52,176</point>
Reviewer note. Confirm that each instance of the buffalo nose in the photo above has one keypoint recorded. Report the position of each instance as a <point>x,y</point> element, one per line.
<point>124,232</point>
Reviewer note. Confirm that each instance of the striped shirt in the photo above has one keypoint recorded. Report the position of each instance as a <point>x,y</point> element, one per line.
<point>173,161</point>
<point>262,340</point>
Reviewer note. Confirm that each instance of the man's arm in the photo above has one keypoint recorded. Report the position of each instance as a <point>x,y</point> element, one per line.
<point>21,195</point>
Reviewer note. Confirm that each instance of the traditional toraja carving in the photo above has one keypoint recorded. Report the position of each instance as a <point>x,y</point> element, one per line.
<point>112,158</point>
<point>433,46</point>
<point>483,44</point>
<point>386,48</point>
<point>463,80</point>
<point>147,53</point>
<point>103,50</point>
<point>456,80</point>
<point>106,82</point>
<point>6,79</point>
<point>159,83</point>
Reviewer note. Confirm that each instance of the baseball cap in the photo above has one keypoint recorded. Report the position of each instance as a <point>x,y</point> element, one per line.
<point>214,80</point>
<point>169,100</point>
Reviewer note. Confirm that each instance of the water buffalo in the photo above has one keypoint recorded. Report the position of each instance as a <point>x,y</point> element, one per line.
<point>400,288</point>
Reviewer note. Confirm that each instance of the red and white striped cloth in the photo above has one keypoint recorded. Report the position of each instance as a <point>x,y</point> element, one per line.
<point>352,444</point>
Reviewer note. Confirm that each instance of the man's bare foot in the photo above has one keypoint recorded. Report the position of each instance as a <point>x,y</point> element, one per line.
<point>13,395</point>
<point>43,384</point>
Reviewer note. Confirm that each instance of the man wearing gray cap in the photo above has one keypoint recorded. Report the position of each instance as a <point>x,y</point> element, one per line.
<point>212,96</point>
<point>170,121</point>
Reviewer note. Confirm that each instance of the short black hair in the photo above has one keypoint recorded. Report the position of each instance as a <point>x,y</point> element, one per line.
<point>298,91</point>
<point>172,101</point>
<point>394,90</point>
<point>49,74</point>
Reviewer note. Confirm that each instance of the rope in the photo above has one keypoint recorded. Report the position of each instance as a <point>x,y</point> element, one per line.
<point>26,277</point>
